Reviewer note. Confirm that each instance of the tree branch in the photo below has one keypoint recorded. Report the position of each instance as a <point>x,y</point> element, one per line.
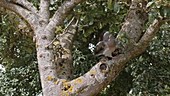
<point>105,71</point>
<point>143,43</point>
<point>91,83</point>
<point>29,6</point>
<point>150,32</point>
<point>61,14</point>
<point>31,18</point>
<point>133,26</point>
<point>44,12</point>
<point>66,41</point>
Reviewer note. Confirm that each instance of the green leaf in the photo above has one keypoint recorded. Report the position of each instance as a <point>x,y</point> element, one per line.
<point>150,4</point>
<point>110,4</point>
<point>167,11</point>
<point>116,7</point>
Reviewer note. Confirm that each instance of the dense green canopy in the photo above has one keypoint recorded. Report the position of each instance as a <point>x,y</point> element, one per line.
<point>148,74</point>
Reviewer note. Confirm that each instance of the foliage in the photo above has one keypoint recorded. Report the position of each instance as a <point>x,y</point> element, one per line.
<point>151,69</point>
<point>21,81</point>
<point>82,62</point>
<point>18,56</point>
<point>147,74</point>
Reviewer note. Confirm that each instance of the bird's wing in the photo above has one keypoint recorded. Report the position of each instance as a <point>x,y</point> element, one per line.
<point>111,42</point>
<point>100,47</point>
<point>106,36</point>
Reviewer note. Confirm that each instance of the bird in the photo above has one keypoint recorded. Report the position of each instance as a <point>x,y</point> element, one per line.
<point>106,36</point>
<point>107,46</point>
<point>100,46</point>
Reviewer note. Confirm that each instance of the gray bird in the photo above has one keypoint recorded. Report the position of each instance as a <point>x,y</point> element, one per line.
<point>106,36</point>
<point>107,46</point>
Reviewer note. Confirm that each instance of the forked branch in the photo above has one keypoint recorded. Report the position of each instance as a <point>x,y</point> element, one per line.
<point>29,16</point>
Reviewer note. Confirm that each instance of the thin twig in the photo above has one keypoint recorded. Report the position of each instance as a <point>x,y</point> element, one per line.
<point>65,29</point>
<point>68,24</point>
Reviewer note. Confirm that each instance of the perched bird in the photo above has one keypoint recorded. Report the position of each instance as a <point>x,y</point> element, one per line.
<point>100,48</point>
<point>107,46</point>
<point>106,36</point>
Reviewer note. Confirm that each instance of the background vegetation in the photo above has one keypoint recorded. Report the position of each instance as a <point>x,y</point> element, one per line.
<point>146,75</point>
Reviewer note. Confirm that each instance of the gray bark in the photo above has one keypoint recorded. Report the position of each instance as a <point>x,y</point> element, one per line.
<point>55,70</point>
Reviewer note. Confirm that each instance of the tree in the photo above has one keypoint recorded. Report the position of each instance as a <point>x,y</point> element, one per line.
<point>54,48</point>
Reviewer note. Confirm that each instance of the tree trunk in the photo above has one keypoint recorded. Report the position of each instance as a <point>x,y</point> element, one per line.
<point>56,67</point>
